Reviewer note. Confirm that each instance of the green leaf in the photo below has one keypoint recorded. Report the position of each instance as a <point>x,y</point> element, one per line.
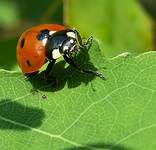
<point>8,54</point>
<point>118,25</point>
<point>9,14</point>
<point>16,12</point>
<point>82,111</point>
<point>41,12</point>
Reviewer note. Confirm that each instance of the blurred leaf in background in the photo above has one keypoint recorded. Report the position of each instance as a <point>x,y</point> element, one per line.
<point>39,11</point>
<point>9,17</point>
<point>150,7</point>
<point>8,14</point>
<point>8,54</point>
<point>118,25</point>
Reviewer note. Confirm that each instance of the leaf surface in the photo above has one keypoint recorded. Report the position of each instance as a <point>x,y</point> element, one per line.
<point>82,111</point>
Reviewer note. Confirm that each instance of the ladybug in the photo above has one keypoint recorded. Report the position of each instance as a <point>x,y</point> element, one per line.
<point>46,43</point>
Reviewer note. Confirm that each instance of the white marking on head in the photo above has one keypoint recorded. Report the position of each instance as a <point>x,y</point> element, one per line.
<point>51,32</point>
<point>44,41</point>
<point>65,48</point>
<point>71,41</point>
<point>71,34</point>
<point>56,54</point>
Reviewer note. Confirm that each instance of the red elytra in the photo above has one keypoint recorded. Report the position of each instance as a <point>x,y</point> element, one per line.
<point>30,51</point>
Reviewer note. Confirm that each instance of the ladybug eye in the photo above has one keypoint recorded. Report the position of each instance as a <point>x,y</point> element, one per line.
<point>22,43</point>
<point>43,34</point>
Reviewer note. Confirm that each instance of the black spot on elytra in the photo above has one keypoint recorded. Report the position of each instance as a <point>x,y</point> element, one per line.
<point>43,34</point>
<point>22,43</point>
<point>28,63</point>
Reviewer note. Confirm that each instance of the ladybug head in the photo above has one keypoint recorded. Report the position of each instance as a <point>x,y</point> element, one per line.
<point>70,46</point>
<point>31,51</point>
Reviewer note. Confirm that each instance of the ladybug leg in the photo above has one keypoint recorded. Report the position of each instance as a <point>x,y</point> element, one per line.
<point>79,37</point>
<point>89,42</point>
<point>83,44</point>
<point>47,75</point>
<point>72,63</point>
<point>30,75</point>
<point>49,68</point>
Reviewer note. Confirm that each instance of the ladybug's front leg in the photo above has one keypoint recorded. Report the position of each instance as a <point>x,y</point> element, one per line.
<point>72,63</point>
<point>83,44</point>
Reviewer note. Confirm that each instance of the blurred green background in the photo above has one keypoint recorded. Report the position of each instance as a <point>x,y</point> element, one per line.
<point>118,25</point>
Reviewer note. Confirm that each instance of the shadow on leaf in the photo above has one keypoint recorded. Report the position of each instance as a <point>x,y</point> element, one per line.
<point>100,146</point>
<point>16,116</point>
<point>66,75</point>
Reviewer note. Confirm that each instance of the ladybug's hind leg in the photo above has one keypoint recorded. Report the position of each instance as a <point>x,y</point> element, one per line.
<point>30,75</point>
